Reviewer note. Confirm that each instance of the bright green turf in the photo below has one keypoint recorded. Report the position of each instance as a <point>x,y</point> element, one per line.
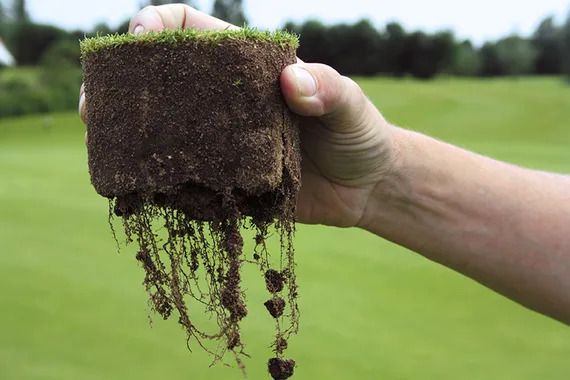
<point>93,44</point>
<point>71,308</point>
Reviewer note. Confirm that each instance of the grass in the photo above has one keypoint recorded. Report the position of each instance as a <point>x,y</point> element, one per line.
<point>74,309</point>
<point>179,36</point>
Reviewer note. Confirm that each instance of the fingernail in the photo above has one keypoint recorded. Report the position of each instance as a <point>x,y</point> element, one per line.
<point>139,29</point>
<point>306,84</point>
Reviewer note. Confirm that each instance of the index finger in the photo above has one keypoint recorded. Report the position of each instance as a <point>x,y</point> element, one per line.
<point>174,16</point>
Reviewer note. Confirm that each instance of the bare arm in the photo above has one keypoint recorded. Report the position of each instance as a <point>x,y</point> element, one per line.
<point>504,226</point>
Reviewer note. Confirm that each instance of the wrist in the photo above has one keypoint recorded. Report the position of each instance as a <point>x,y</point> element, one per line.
<point>389,193</point>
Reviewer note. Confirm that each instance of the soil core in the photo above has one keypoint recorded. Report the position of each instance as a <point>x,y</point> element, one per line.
<point>190,140</point>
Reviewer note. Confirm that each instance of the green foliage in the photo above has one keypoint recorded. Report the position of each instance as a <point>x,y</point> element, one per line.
<point>425,56</point>
<point>361,49</point>
<point>393,49</point>
<point>3,14</point>
<point>316,45</point>
<point>62,53</point>
<point>566,47</point>
<point>512,56</point>
<point>20,11</point>
<point>29,41</point>
<point>516,55</point>
<point>548,43</point>
<point>102,29</point>
<point>230,11</point>
<point>74,309</point>
<point>357,46</point>
<point>466,61</point>
<point>50,88</point>
<point>90,45</point>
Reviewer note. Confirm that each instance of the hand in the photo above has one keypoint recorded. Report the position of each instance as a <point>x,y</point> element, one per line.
<point>346,143</point>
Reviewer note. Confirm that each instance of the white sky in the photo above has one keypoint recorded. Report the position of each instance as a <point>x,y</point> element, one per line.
<point>478,20</point>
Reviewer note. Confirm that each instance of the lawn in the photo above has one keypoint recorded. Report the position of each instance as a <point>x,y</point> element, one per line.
<point>72,308</point>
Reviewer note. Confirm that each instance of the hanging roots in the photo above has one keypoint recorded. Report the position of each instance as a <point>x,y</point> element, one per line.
<point>188,263</point>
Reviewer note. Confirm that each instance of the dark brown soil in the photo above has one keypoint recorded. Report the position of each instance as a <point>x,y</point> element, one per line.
<point>274,281</point>
<point>191,143</point>
<point>275,306</point>
<point>281,369</point>
<point>182,127</point>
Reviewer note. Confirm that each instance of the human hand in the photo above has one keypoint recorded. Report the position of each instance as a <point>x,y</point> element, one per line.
<point>346,143</point>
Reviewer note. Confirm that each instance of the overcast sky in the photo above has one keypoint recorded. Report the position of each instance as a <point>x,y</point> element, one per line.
<point>478,20</point>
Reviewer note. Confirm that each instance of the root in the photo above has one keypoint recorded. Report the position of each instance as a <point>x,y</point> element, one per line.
<point>191,266</point>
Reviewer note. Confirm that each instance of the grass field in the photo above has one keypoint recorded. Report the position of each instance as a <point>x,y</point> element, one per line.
<point>72,308</point>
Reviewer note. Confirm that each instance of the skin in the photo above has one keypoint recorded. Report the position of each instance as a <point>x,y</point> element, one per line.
<point>504,226</point>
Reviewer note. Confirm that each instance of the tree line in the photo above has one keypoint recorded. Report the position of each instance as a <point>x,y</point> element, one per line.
<point>353,49</point>
<point>363,49</point>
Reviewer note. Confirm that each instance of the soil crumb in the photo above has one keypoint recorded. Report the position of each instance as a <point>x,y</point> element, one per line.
<point>281,369</point>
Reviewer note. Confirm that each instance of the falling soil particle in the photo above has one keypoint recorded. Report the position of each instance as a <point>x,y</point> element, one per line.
<point>275,306</point>
<point>191,142</point>
<point>281,369</point>
<point>274,281</point>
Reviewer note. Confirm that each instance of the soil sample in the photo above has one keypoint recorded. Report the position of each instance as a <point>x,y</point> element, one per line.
<point>190,140</point>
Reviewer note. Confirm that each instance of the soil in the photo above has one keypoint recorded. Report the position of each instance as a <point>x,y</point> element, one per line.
<point>275,306</point>
<point>274,281</point>
<point>281,369</point>
<point>191,143</point>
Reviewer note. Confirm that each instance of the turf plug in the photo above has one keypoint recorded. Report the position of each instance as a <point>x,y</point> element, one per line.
<point>190,140</point>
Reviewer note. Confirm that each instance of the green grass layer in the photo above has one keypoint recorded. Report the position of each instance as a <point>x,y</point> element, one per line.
<point>93,44</point>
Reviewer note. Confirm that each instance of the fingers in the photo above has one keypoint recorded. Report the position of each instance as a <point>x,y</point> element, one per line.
<point>81,106</point>
<point>174,16</point>
<point>320,91</point>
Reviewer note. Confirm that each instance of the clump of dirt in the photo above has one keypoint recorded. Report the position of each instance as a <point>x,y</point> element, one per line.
<point>191,142</point>
<point>281,369</point>
<point>275,306</point>
<point>274,281</point>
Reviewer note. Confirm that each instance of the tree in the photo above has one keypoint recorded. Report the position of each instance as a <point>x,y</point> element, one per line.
<point>20,11</point>
<point>490,63</point>
<point>566,47</point>
<point>425,56</point>
<point>2,13</point>
<point>61,54</point>
<point>3,20</point>
<point>466,61</point>
<point>29,41</point>
<point>230,11</point>
<point>315,46</point>
<point>102,29</point>
<point>511,56</point>
<point>350,49</point>
<point>516,55</point>
<point>392,49</point>
<point>547,41</point>
<point>364,48</point>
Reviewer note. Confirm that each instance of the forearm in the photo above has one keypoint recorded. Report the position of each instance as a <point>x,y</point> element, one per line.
<point>504,226</point>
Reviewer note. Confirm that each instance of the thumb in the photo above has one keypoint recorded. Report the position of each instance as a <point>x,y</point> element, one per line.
<point>318,90</point>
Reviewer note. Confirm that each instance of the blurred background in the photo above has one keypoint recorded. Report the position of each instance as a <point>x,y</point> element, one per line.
<point>489,76</point>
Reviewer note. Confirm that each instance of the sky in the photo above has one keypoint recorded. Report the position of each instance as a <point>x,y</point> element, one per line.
<point>478,20</point>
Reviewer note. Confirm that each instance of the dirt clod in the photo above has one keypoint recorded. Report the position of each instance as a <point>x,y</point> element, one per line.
<point>275,306</point>
<point>281,369</point>
<point>274,281</point>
